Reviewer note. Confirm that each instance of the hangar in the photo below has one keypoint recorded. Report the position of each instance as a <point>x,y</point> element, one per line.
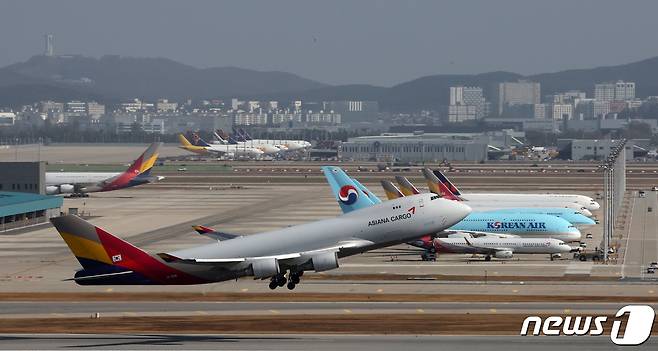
<point>19,210</point>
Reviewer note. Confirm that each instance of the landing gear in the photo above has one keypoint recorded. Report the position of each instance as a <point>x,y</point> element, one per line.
<point>487,258</point>
<point>280,280</point>
<point>277,281</point>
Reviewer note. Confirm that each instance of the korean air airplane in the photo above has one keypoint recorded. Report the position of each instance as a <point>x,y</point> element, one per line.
<point>519,224</point>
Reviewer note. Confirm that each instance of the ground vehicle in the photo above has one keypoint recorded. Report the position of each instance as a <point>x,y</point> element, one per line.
<point>589,255</point>
<point>654,188</point>
<point>642,193</point>
<point>589,236</point>
<point>649,209</point>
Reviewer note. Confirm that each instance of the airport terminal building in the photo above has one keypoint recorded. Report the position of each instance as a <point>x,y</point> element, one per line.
<point>22,199</point>
<point>416,147</point>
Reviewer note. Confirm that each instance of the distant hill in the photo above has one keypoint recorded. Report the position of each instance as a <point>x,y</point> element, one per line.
<point>113,78</point>
<point>116,77</point>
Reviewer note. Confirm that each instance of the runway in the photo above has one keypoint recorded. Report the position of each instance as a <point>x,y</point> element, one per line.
<point>40,309</point>
<point>305,342</point>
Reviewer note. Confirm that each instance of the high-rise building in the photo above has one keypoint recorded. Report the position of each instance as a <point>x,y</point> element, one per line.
<point>624,91</point>
<point>49,49</point>
<point>164,105</point>
<point>461,113</point>
<point>95,110</point>
<point>559,112</point>
<point>619,91</point>
<point>468,96</point>
<point>517,93</point>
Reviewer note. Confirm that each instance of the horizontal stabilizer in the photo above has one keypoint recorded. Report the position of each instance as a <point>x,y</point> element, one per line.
<point>211,233</point>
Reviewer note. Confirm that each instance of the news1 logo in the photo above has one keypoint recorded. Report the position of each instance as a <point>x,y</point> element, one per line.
<point>637,330</point>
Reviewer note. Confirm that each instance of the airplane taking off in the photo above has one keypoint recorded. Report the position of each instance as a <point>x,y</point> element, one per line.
<point>281,255</point>
<point>489,246</point>
<point>494,203</point>
<point>199,146</point>
<point>81,183</point>
<point>517,224</point>
<point>545,199</point>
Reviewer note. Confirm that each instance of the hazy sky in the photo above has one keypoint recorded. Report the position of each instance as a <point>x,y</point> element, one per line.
<point>339,42</point>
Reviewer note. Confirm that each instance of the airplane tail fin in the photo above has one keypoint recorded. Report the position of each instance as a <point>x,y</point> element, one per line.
<point>368,193</point>
<point>197,141</point>
<point>219,137</point>
<point>437,187</point>
<point>146,160</point>
<point>453,189</point>
<point>392,192</point>
<point>106,259</point>
<point>349,196</point>
<point>245,135</point>
<point>406,187</point>
<point>185,144</point>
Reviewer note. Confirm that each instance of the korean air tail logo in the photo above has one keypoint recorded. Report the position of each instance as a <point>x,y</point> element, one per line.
<point>348,195</point>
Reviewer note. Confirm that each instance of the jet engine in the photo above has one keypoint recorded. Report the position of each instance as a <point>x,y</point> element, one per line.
<point>325,261</point>
<point>503,254</point>
<point>264,268</point>
<point>61,189</point>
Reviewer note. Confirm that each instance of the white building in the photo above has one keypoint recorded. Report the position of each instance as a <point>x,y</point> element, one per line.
<point>559,112</point>
<point>517,93</point>
<point>619,91</point>
<point>469,96</point>
<point>164,105</point>
<point>461,113</point>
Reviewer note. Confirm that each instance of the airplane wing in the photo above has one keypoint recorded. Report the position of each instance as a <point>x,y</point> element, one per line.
<point>341,245</point>
<point>214,234</point>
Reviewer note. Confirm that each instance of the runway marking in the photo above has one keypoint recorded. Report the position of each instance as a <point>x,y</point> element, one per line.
<point>130,314</point>
<point>244,290</point>
<point>514,291</point>
<point>567,310</point>
<point>420,310</point>
<point>203,313</point>
<point>380,290</point>
<point>57,314</point>
<point>274,312</point>
<point>109,290</point>
<point>347,310</point>
<point>650,291</point>
<point>493,310</point>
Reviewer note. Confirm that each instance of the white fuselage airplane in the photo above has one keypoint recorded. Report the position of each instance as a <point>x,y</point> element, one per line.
<point>108,260</point>
<point>201,147</point>
<point>522,200</point>
<point>138,173</point>
<point>497,247</point>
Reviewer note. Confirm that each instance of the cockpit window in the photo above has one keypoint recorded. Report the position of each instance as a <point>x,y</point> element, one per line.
<point>435,197</point>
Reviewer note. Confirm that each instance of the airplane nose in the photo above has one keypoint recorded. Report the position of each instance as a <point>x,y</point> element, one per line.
<point>460,210</point>
<point>594,206</point>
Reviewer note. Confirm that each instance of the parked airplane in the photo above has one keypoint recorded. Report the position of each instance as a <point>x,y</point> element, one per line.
<point>492,246</point>
<point>283,144</point>
<point>199,146</point>
<point>108,260</point>
<point>81,183</point>
<point>519,224</point>
<point>571,215</point>
<point>495,202</point>
<point>544,199</point>
<point>268,149</point>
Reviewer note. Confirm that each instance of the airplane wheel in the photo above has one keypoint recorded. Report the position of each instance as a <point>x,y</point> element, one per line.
<point>273,285</point>
<point>488,258</point>
<point>294,279</point>
<point>291,285</point>
<point>282,281</point>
